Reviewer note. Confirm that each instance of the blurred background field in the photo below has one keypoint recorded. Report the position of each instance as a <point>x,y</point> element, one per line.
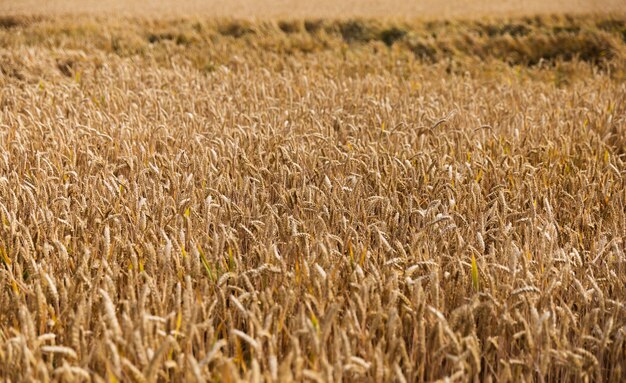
<point>305,8</point>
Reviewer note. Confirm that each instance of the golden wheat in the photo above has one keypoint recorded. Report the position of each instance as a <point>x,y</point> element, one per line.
<point>355,200</point>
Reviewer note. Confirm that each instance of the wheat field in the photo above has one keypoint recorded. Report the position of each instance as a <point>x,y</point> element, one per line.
<point>313,199</point>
